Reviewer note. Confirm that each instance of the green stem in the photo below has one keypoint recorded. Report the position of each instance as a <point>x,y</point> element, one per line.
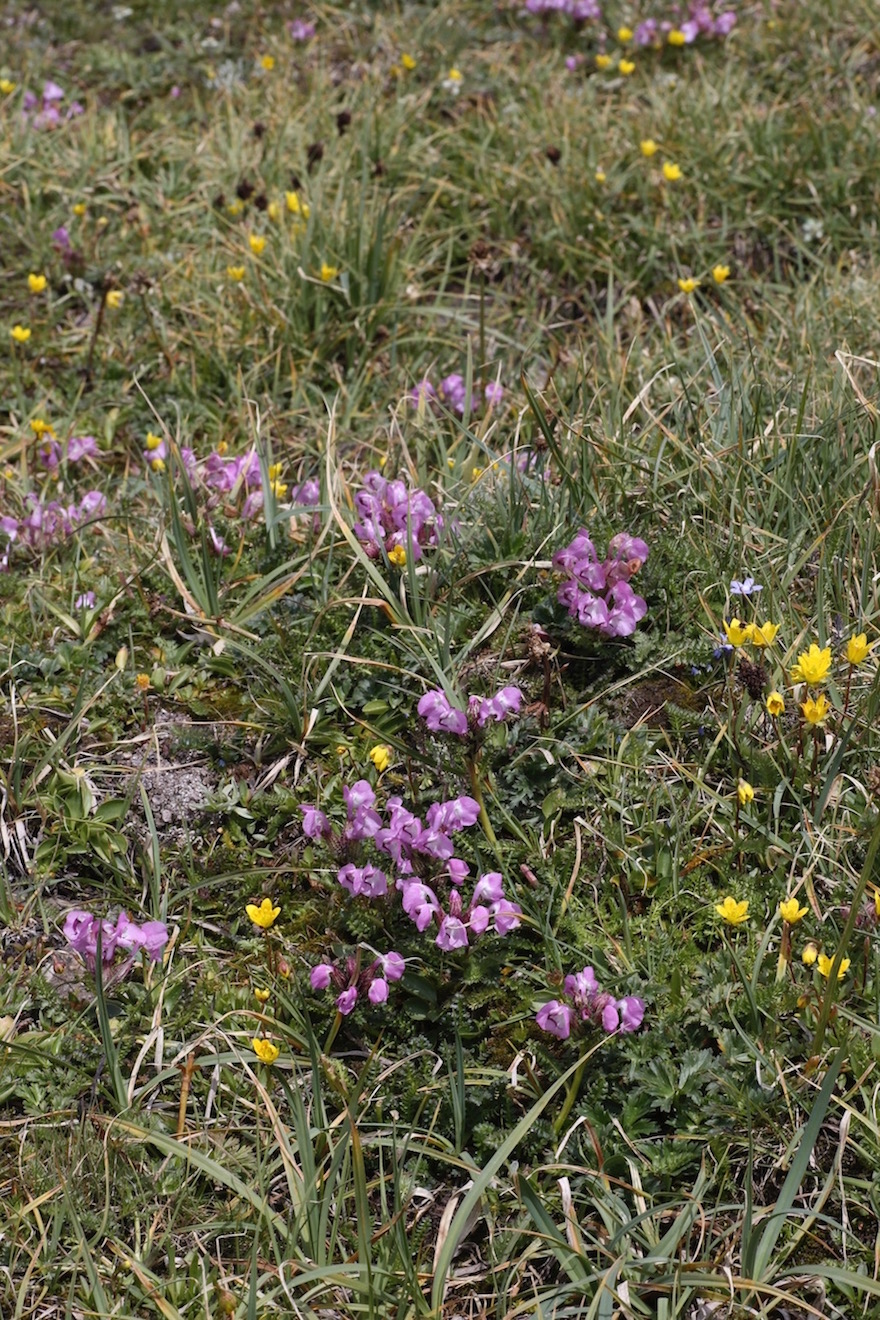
<point>570,1096</point>
<point>477,791</point>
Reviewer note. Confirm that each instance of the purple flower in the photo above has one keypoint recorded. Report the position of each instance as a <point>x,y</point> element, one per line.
<point>555,1018</point>
<point>52,92</point>
<point>85,601</point>
<point>506,916</point>
<point>393,966</point>
<point>218,545</point>
<point>378,991</point>
<point>457,814</point>
<point>92,505</point>
<point>440,716</point>
<point>725,23</point>
<point>489,888</point>
<point>49,454</point>
<point>80,447</point>
<point>452,934</point>
<point>300,30</point>
<point>347,1000</point>
<point>632,1013</point>
<point>61,239</point>
<point>628,610</point>
<point>315,823</point>
<point>419,902</point>
<point>457,870</point>
<point>748,587</point>
<point>494,392</point>
<point>366,880</point>
<point>504,703</point>
<point>320,976</point>
<point>479,918</point>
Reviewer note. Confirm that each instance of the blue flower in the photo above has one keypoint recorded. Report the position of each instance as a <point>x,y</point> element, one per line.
<point>746,588</point>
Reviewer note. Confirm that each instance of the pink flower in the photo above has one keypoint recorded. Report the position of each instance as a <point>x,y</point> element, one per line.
<point>347,1000</point>
<point>319,977</point>
<point>378,991</point>
<point>452,934</point>
<point>555,1018</point>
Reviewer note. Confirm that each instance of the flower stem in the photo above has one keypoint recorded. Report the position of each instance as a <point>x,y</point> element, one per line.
<point>477,790</point>
<point>570,1095</point>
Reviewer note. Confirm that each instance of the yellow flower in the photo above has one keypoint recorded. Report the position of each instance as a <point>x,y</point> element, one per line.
<point>275,470</point>
<point>39,427</point>
<point>20,333</point>
<point>626,67</point>
<point>143,682</point>
<point>263,916</point>
<point>720,273</point>
<point>235,273</point>
<point>601,176</point>
<point>688,285</point>
<point>397,556</point>
<point>812,666</point>
<point>745,793</point>
<point>603,61</point>
<point>37,283</point>
<point>115,298</point>
<point>624,34</point>
<point>279,489</point>
<point>262,995</point>
<point>825,966</point>
<point>157,464</point>
<point>454,75</point>
<point>790,912</point>
<point>267,62</point>
<point>407,61</point>
<point>79,208</point>
<point>328,272</point>
<point>737,633</point>
<point>733,913</point>
<point>295,206</point>
<point>775,703</point>
<point>273,211</point>
<point>809,955</point>
<point>152,441</point>
<point>6,87</point>
<point>265,1051</point>
<point>671,171</point>
<point>256,243</point>
<point>381,756</point>
<point>235,207</point>
<point>676,37</point>
<point>857,648</point>
<point>763,635</point>
<point>816,709</point>
<point>648,147</point>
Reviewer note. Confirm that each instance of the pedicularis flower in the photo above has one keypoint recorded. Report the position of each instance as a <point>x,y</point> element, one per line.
<point>590,1005</point>
<point>732,912</point>
<point>812,666</point>
<point>775,703</point>
<point>265,1051</point>
<point>791,912</point>
<point>263,916</point>
<point>745,792</point>
<point>825,966</point>
<point>857,648</point>
<point>816,709</point>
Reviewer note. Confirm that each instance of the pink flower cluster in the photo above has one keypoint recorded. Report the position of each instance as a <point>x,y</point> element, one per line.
<point>579,10</point>
<point>453,392</point>
<point>598,594</point>
<point>391,515</point>
<point>78,447</point>
<point>83,931</point>
<point>45,111</point>
<point>590,1005</point>
<point>441,716</point>
<point>349,982</point>
<point>42,524</point>
<point>416,848</point>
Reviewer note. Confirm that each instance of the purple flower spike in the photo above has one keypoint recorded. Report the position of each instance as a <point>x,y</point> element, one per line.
<point>555,1018</point>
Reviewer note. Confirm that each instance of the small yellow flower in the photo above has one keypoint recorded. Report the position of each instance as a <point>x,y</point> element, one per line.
<point>6,87</point>
<point>626,67</point>
<point>791,912</point>
<point>671,171</point>
<point>688,285</point>
<point>262,996</point>
<point>763,635</point>
<point>79,208</point>
<point>648,147</point>
<point>737,633</point>
<point>152,441</point>
<point>624,34</point>
<point>857,648</point>
<point>37,283</point>
<point>407,61</point>
<point>41,427</point>
<point>816,709</point>
<point>256,243</point>
<point>143,682</point>
<point>20,333</point>
<point>454,76</point>
<point>877,901</point>
<point>775,703</point>
<point>603,61</point>
<point>265,1051</point>
<point>235,273</point>
<point>601,176</point>
<point>745,793</point>
<point>812,666</point>
<point>397,556</point>
<point>381,755</point>
<point>275,470</point>
<point>157,464</point>
<point>825,966</point>
<point>267,62</point>
<point>732,912</point>
<point>235,207</point>
<point>115,298</point>
<point>273,211</point>
<point>676,37</point>
<point>263,916</point>
<point>720,273</point>
<point>279,489</point>
<point>328,272</point>
<point>295,206</point>
<point>809,955</point>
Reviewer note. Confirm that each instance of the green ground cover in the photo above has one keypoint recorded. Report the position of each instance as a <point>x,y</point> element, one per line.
<point>320,347</point>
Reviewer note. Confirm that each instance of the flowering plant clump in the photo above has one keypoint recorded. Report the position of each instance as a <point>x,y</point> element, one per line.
<point>85,932</point>
<point>703,20</point>
<point>44,111</point>
<point>597,593</point>
<point>453,393</point>
<point>225,475</point>
<point>422,853</point>
<point>349,979</point>
<point>394,518</point>
<point>585,1003</point>
<point>43,524</point>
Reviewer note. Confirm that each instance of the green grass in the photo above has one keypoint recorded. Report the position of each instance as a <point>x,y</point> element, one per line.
<point>440,1155</point>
